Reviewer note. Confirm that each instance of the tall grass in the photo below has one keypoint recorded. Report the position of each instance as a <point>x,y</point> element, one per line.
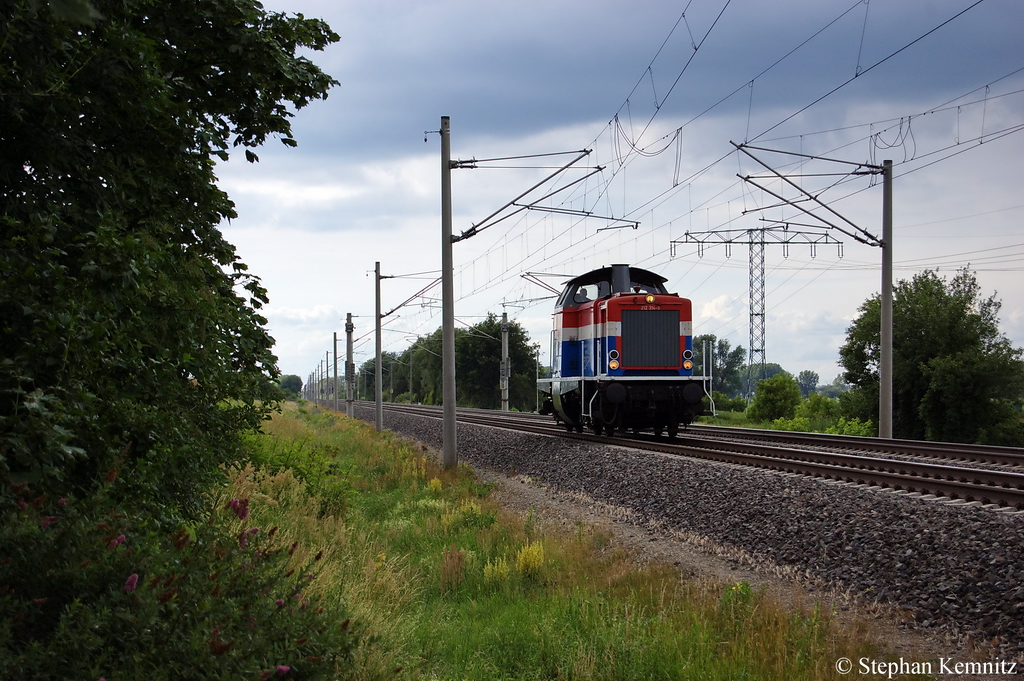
<point>445,585</point>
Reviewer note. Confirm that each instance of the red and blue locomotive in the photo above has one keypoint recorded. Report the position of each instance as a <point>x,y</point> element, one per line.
<point>622,355</point>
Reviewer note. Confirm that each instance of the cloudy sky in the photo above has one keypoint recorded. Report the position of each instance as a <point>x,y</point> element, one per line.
<point>657,91</point>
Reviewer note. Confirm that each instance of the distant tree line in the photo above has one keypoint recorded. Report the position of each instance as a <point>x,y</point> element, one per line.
<point>415,374</point>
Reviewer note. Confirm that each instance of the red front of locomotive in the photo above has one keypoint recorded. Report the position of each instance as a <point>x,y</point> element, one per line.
<point>644,334</point>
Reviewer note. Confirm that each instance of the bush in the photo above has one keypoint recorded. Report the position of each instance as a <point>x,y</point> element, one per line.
<point>725,403</point>
<point>797,425</point>
<point>777,397</point>
<point>852,426</point>
<point>818,407</point>
<point>93,593</point>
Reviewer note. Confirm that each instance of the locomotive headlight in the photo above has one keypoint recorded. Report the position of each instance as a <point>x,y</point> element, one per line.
<point>649,298</point>
<point>688,364</point>
<point>614,364</point>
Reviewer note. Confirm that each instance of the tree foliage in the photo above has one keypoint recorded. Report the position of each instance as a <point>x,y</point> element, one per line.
<point>291,385</point>
<point>131,334</point>
<point>477,367</point>
<point>133,355</point>
<point>808,382</point>
<point>777,397</point>
<point>751,376</point>
<point>726,366</point>
<point>955,376</point>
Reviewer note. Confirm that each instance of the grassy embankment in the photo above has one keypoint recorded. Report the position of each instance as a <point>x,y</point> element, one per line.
<point>444,584</point>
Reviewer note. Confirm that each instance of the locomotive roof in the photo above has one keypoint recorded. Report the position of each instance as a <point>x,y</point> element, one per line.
<point>640,276</point>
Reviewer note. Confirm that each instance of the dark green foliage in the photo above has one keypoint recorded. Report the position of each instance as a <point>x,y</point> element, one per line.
<point>955,376</point>
<point>837,387</point>
<point>723,403</point>
<point>808,382</point>
<point>125,343</point>
<point>751,377</point>
<point>291,385</point>
<point>133,356</point>
<point>477,365</point>
<point>727,364</point>
<point>92,593</point>
<point>777,397</point>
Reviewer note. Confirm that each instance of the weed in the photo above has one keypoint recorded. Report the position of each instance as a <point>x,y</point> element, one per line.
<point>453,568</point>
<point>530,559</point>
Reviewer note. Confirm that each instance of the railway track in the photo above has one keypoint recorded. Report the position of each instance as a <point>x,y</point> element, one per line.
<point>926,468</point>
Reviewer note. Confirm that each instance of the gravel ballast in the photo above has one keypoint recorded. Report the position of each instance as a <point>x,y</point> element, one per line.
<point>958,569</point>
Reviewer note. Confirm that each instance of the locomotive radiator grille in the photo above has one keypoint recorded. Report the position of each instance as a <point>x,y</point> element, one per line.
<point>650,338</point>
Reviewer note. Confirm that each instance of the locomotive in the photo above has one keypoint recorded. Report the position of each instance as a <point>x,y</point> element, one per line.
<point>622,355</point>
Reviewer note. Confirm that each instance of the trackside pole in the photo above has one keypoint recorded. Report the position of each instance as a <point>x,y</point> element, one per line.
<point>885,349</point>
<point>449,449</point>
<point>378,374</point>
<point>350,367</point>
<point>504,361</point>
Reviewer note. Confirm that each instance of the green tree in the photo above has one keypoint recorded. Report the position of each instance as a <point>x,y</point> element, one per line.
<point>131,334</point>
<point>777,397</point>
<point>133,355</point>
<point>750,378</point>
<point>808,382</point>
<point>955,376</point>
<point>477,366</point>
<point>834,389</point>
<point>390,374</point>
<point>291,385</point>
<point>727,364</point>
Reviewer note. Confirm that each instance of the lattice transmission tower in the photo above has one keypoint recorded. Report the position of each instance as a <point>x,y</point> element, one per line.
<point>756,239</point>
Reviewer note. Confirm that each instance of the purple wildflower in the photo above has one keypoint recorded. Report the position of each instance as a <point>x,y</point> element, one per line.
<point>282,669</point>
<point>129,584</point>
<point>243,537</point>
<point>240,507</point>
<point>114,543</point>
<point>279,602</point>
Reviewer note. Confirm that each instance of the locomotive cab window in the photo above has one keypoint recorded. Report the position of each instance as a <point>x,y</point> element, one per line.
<point>588,292</point>
<point>607,281</point>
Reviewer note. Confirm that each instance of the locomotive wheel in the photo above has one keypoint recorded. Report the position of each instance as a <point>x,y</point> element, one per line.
<point>673,430</point>
<point>596,425</point>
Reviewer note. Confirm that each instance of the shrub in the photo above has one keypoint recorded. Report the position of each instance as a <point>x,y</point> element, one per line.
<point>852,426</point>
<point>496,570</point>
<point>818,407</point>
<point>797,425</point>
<point>777,397</point>
<point>530,558</point>
<point>93,593</point>
<point>725,403</point>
